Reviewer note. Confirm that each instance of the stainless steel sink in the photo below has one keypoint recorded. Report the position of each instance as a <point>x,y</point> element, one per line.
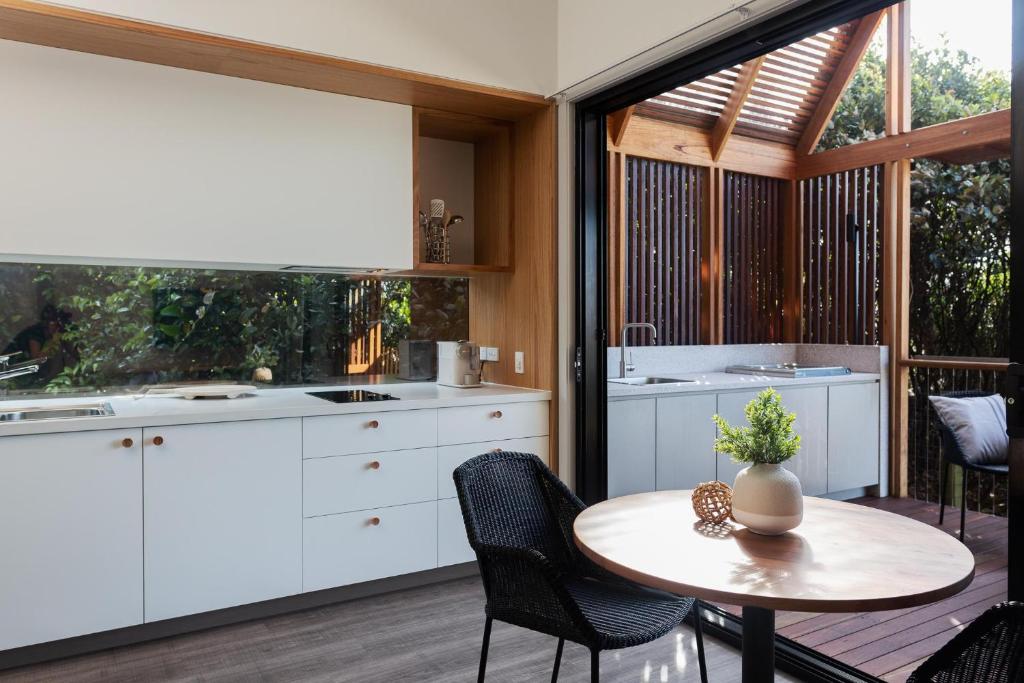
<point>63,412</point>
<point>642,381</point>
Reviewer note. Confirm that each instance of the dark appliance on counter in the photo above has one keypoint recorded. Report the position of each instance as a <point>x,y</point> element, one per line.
<point>352,396</point>
<point>417,359</point>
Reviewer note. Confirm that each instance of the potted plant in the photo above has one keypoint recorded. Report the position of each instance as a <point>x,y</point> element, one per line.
<point>766,497</point>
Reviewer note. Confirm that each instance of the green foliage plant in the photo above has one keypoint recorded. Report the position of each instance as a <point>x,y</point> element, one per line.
<point>769,440</point>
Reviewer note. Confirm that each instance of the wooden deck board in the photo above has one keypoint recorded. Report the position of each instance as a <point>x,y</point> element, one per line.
<point>890,645</point>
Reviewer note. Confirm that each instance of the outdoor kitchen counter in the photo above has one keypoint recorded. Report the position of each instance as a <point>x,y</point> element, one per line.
<point>725,381</point>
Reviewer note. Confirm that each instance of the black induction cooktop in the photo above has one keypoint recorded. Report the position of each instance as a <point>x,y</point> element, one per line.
<point>352,396</point>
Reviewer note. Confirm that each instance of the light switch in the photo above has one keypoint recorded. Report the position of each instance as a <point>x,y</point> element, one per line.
<point>489,353</point>
<point>520,363</point>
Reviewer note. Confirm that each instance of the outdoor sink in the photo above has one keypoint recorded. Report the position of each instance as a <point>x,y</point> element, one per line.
<point>56,412</point>
<point>642,381</point>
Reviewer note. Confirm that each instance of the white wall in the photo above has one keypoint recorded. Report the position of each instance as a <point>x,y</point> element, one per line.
<point>109,159</point>
<point>503,43</point>
<point>595,36</point>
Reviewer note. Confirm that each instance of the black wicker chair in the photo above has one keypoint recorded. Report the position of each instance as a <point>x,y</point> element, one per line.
<point>952,455</point>
<point>989,650</point>
<point>519,519</point>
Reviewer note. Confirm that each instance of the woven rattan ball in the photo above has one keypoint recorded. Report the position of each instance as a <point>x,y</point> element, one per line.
<point>712,501</point>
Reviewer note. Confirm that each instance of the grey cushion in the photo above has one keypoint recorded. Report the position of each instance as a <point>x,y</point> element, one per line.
<point>978,425</point>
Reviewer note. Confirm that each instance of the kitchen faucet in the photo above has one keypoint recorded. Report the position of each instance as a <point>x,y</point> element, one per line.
<point>7,371</point>
<point>622,345</point>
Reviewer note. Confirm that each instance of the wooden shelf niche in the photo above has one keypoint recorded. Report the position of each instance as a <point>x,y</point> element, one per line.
<point>465,160</point>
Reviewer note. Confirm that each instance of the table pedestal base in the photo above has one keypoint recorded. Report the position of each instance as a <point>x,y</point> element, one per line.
<point>758,645</point>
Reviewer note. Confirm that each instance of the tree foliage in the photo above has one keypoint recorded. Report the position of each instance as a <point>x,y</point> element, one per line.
<point>960,224</point>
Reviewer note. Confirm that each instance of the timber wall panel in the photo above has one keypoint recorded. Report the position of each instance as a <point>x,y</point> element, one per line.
<point>842,257</point>
<point>753,246</point>
<point>665,219</point>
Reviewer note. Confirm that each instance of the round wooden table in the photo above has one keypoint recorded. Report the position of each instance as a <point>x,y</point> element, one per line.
<point>842,558</point>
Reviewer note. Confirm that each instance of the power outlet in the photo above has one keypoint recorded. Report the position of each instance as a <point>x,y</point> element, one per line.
<point>489,353</point>
<point>520,363</point>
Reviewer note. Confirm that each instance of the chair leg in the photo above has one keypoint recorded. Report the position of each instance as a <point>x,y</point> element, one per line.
<point>698,629</point>
<point>595,666</point>
<point>963,503</point>
<point>943,483</point>
<point>483,651</point>
<point>558,660</point>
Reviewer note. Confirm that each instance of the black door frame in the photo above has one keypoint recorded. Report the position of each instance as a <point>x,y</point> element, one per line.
<point>591,295</point>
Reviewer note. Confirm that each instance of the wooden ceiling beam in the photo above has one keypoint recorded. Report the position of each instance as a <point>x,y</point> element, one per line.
<point>618,122</point>
<point>990,130</point>
<point>733,106</point>
<point>860,41</point>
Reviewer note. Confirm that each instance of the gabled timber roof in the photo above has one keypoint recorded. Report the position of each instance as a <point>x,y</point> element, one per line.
<point>786,90</point>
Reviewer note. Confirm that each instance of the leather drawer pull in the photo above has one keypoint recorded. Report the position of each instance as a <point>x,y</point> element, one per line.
<point>496,414</point>
<point>373,424</point>
<point>158,441</point>
<point>127,443</point>
<point>374,521</point>
<point>375,465</point>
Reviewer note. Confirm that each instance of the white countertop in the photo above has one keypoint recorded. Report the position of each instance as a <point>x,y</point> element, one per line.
<point>156,411</point>
<point>725,381</point>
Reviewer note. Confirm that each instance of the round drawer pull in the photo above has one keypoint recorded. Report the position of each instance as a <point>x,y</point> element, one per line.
<point>496,450</point>
<point>373,424</point>
<point>158,441</point>
<point>496,414</point>
<point>127,443</point>
<point>375,465</point>
<point>374,521</point>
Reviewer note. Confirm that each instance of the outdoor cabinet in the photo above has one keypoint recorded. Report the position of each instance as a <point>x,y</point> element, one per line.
<point>853,436</point>
<point>685,441</point>
<point>811,407</point>
<point>631,447</point>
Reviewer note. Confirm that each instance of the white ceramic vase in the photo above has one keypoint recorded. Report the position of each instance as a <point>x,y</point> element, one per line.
<point>767,499</point>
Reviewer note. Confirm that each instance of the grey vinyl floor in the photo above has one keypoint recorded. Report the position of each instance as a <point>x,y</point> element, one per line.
<point>423,634</point>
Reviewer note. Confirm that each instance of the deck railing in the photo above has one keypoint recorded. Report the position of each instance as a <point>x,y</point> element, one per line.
<point>931,375</point>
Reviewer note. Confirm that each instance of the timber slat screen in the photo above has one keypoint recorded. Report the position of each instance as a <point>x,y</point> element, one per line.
<point>665,217</point>
<point>752,245</point>
<point>842,259</point>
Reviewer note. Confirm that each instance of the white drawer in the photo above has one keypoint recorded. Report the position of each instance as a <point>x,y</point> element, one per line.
<point>452,544</point>
<point>373,480</point>
<point>338,550</point>
<point>450,457</point>
<point>473,424</point>
<point>368,432</point>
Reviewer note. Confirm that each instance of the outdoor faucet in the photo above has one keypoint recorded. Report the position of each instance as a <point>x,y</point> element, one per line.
<point>7,371</point>
<point>622,345</point>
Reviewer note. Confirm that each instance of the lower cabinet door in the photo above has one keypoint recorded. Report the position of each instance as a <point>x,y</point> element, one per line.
<point>450,457</point>
<point>372,544</point>
<point>71,535</point>
<point>810,404</point>
<point>631,444</point>
<point>223,515</point>
<point>685,442</point>
<point>452,543</point>
<point>853,433</point>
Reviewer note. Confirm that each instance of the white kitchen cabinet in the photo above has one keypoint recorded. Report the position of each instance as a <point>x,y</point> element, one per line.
<point>450,457</point>
<point>71,537</point>
<point>853,433</point>
<point>347,483</point>
<point>452,543</point>
<point>205,168</point>
<point>811,407</point>
<point>685,441</point>
<point>631,446</point>
<point>471,424</point>
<point>372,544</point>
<point>368,432</point>
<point>223,515</point>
